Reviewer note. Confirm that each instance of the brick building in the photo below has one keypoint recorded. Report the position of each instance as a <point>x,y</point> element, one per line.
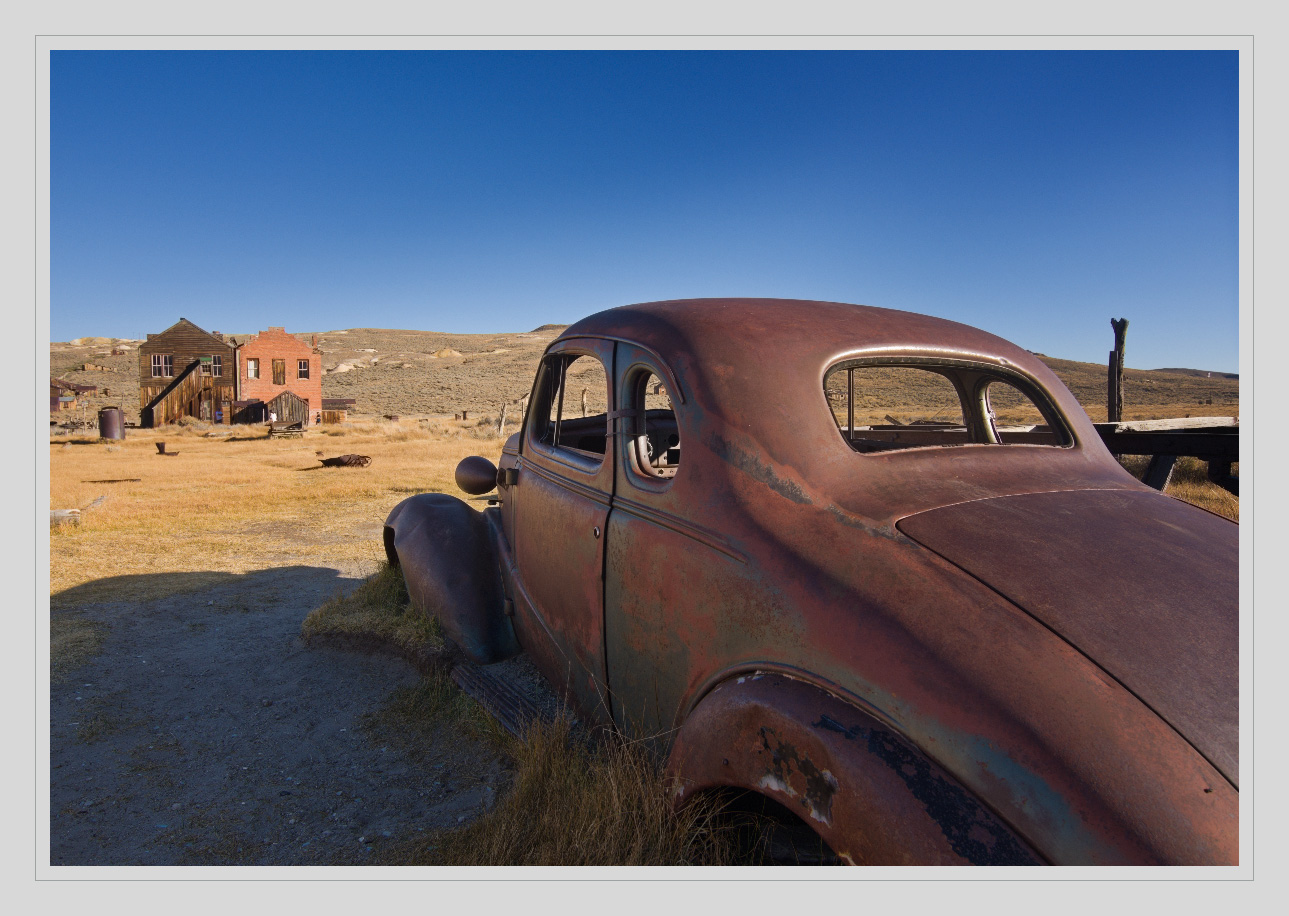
<point>185,372</point>
<point>279,374</point>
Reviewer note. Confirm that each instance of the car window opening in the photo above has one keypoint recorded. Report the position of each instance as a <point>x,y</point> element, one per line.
<point>578,392</point>
<point>881,408</point>
<point>657,435</point>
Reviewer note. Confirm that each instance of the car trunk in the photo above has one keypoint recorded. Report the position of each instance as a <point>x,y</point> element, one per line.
<point>1145,586</point>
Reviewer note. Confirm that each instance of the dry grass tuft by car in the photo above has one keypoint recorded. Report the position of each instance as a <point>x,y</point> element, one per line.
<point>376,612</point>
<point>575,803</point>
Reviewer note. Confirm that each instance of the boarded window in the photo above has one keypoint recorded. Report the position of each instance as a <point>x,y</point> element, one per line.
<point>252,368</point>
<point>302,368</point>
<point>279,372</point>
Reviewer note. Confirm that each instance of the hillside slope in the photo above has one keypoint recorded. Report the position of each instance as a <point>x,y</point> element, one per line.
<point>424,373</point>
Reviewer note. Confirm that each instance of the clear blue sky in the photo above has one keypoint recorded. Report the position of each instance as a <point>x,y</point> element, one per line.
<point>1033,194</point>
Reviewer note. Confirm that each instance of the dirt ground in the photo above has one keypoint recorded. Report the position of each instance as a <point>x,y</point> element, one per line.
<point>206,732</point>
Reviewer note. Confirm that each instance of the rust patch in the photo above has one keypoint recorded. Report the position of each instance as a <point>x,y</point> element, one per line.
<point>786,762</point>
<point>971,830</point>
<point>752,466</point>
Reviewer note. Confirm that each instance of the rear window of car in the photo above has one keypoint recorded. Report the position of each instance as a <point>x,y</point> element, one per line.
<point>882,406</point>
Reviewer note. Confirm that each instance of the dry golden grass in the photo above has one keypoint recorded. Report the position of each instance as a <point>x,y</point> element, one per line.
<point>378,609</point>
<point>1190,482</point>
<point>240,502</point>
<point>573,803</point>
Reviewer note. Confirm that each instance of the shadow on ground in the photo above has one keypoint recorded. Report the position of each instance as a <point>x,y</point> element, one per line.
<point>204,731</point>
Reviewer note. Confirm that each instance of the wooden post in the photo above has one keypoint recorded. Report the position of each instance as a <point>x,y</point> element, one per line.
<point>584,390</point>
<point>1114,388</point>
<point>501,422</point>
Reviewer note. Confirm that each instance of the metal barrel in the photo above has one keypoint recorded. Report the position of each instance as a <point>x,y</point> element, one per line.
<point>111,423</point>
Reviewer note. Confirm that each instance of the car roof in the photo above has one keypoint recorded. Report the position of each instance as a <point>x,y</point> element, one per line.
<point>770,343</point>
<point>754,368</point>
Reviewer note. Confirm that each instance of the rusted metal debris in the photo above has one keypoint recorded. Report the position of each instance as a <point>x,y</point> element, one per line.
<point>347,461</point>
<point>935,643</point>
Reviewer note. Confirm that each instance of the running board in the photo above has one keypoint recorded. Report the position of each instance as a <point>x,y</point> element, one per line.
<point>516,712</point>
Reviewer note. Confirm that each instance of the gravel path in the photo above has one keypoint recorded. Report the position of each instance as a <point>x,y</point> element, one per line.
<point>206,732</point>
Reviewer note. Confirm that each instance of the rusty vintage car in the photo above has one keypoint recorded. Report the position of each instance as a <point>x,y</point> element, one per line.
<point>875,567</point>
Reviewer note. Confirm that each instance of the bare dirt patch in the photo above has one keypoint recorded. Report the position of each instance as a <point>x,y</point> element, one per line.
<point>206,732</point>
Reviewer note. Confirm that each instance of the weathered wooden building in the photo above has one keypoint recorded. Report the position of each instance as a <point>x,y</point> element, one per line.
<point>65,395</point>
<point>186,372</point>
<point>333,409</point>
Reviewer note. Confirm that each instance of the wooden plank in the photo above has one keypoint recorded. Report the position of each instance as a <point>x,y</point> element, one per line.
<point>1171,425</point>
<point>1206,446</point>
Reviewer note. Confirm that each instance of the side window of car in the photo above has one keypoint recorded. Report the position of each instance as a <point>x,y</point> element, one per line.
<point>881,408</point>
<point>1014,417</point>
<point>571,408</point>
<point>655,435</point>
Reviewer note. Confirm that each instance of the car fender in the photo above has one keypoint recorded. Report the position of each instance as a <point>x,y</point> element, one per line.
<point>869,793</point>
<point>449,562</point>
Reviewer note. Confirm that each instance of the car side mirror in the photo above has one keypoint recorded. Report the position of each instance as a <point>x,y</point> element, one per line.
<point>476,475</point>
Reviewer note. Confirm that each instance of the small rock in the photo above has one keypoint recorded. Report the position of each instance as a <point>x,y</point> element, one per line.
<point>266,703</point>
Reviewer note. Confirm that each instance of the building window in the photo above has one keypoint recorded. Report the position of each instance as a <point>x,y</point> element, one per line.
<point>205,365</point>
<point>302,368</point>
<point>217,365</point>
<point>252,368</point>
<point>163,366</point>
<point>279,372</point>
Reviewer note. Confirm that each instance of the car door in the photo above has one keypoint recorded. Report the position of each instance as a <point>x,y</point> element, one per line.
<point>562,502</point>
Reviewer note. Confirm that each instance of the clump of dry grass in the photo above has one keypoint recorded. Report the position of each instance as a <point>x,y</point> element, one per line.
<point>1189,482</point>
<point>378,609</point>
<point>73,640</point>
<point>579,804</point>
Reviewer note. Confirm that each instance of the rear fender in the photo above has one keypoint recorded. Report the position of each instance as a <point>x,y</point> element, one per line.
<point>870,794</point>
<point>449,562</point>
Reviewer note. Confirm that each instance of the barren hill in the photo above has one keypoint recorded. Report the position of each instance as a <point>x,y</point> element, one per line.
<point>424,373</point>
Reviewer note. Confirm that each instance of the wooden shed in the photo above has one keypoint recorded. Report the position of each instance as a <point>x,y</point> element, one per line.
<point>288,408</point>
<point>333,409</point>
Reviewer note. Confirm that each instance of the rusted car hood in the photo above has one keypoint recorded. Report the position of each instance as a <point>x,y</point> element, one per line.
<point>1145,586</point>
